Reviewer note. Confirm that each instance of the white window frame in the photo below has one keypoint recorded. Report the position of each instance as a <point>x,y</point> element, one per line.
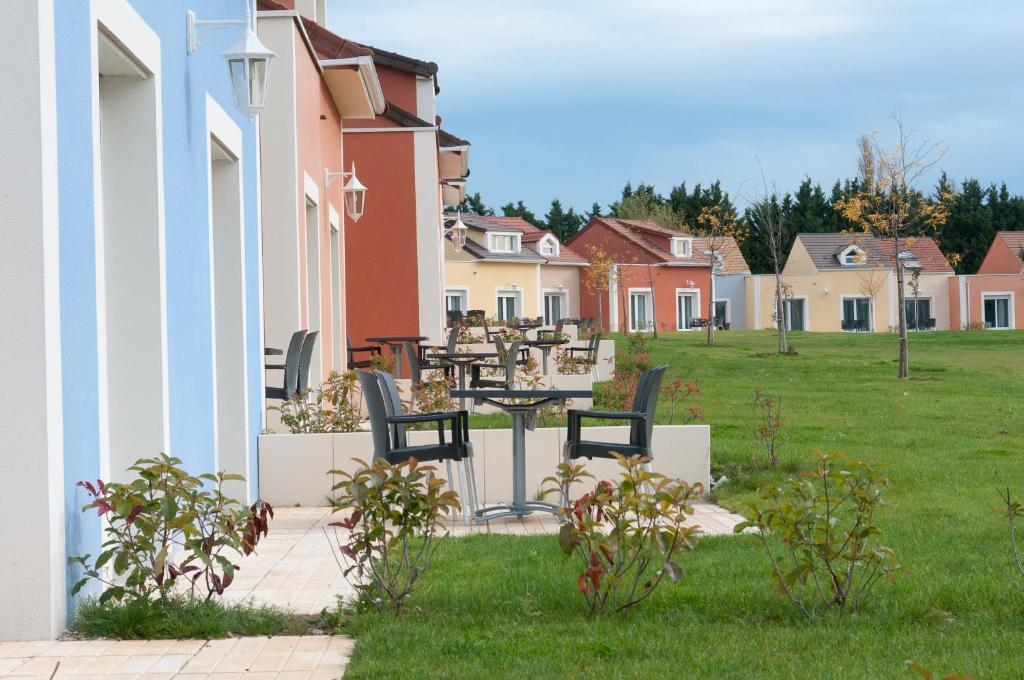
<point>862,256</point>
<point>551,241</point>
<point>649,293</point>
<point>911,298</point>
<point>460,291</point>
<point>687,246</point>
<point>687,291</point>
<point>1010,303</point>
<point>517,241</point>
<point>561,293</point>
<point>871,310</point>
<point>728,309</point>
<point>517,293</point>
<point>807,312</point>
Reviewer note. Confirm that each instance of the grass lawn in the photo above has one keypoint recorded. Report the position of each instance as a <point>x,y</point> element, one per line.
<point>501,607</point>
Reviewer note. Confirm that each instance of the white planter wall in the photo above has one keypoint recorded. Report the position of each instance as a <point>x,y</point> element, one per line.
<point>293,468</point>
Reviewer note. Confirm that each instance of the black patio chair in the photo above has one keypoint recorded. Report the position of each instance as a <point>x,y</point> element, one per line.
<point>929,325</point>
<point>499,346</point>
<point>372,350</point>
<point>305,359</point>
<point>290,383</point>
<point>506,365</point>
<point>489,335</point>
<point>454,317</point>
<point>388,425</point>
<point>641,418</point>
<point>475,317</point>
<point>418,366</point>
<point>589,352</point>
<point>549,334</point>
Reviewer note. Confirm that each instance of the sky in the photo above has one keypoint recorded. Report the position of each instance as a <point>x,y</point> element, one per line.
<point>572,99</point>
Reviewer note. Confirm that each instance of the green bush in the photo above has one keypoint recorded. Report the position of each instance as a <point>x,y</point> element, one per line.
<point>335,407</point>
<point>825,522</point>
<point>625,535</point>
<point>167,524</point>
<point>388,538</point>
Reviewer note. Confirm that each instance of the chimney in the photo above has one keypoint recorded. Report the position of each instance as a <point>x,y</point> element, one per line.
<point>315,10</point>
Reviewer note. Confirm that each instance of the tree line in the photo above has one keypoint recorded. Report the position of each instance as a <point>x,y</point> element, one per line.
<point>975,212</point>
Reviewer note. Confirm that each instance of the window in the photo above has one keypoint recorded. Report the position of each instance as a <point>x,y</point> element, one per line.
<point>997,311</point>
<point>856,314</point>
<point>553,307</point>
<point>687,309</point>
<point>682,247</point>
<point>456,300</point>
<point>509,304</point>
<point>721,313</point>
<point>641,310</point>
<point>795,314</point>
<point>919,314</point>
<point>852,256</point>
<point>549,247</point>
<point>503,242</point>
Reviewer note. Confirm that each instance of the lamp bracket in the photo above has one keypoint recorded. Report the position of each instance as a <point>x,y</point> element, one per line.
<point>194,30</point>
<point>330,177</point>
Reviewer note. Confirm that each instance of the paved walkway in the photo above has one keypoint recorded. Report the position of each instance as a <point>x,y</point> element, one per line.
<point>294,569</point>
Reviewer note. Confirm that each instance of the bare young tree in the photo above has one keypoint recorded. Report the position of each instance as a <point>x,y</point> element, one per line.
<point>770,222</point>
<point>717,228</point>
<point>893,209</point>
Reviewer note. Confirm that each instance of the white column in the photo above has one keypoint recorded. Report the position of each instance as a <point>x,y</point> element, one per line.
<point>32,564</point>
<point>429,253</point>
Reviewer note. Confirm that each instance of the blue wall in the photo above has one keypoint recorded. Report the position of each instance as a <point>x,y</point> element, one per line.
<point>731,287</point>
<point>186,80</point>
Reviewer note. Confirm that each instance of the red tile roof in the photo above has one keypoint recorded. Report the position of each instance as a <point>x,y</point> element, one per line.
<point>1015,240</point>
<point>650,236</point>
<point>925,249</point>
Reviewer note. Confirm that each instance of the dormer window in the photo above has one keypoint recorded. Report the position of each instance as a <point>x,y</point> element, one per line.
<point>909,260</point>
<point>549,246</point>
<point>682,247</point>
<point>852,257</point>
<point>504,242</point>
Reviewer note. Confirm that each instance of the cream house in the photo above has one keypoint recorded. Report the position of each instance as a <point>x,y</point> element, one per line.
<point>838,282</point>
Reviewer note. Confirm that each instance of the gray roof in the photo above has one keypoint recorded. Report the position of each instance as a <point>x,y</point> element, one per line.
<point>526,255</point>
<point>824,250</point>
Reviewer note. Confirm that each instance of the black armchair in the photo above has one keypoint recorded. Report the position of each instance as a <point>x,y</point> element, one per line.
<point>290,383</point>
<point>589,352</point>
<point>388,425</point>
<point>489,335</point>
<point>507,364</point>
<point>641,419</point>
<point>306,359</point>
<point>500,347</point>
<point>372,350</point>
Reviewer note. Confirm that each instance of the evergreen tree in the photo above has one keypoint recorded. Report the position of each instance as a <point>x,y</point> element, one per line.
<point>476,204</point>
<point>595,211</point>
<point>573,223</point>
<point>557,220</point>
<point>810,211</point>
<point>519,209</point>
<point>970,228</point>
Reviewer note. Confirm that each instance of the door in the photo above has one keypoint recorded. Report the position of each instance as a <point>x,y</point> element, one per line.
<point>795,315</point>
<point>856,314</point>
<point>552,308</point>
<point>997,311</point>
<point>721,313</point>
<point>508,306</point>
<point>640,312</point>
<point>919,313</point>
<point>686,305</point>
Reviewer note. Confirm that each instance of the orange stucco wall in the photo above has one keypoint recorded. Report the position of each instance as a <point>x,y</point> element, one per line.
<point>635,275</point>
<point>383,291</point>
<point>973,287</point>
<point>319,146</point>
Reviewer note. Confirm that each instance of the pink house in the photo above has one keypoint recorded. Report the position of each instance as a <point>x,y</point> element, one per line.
<point>994,296</point>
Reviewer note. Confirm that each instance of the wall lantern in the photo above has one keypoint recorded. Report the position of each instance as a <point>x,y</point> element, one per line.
<point>457,232</point>
<point>354,191</point>
<point>248,59</point>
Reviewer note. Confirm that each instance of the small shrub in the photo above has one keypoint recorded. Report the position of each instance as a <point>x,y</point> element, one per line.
<point>467,337</point>
<point>825,521</point>
<point>387,540</point>
<point>625,534</point>
<point>676,392</point>
<point>767,414</point>
<point>629,366</point>
<point>433,394</point>
<point>337,406</point>
<point>567,363</point>
<point>528,377</point>
<point>163,514</point>
<point>975,326</point>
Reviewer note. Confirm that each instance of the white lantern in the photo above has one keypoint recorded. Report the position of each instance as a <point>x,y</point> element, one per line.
<point>249,65</point>
<point>355,196</point>
<point>458,232</point>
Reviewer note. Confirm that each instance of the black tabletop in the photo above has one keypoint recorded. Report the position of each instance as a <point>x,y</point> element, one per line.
<point>522,394</point>
<point>463,355</point>
<point>544,341</point>
<point>398,338</point>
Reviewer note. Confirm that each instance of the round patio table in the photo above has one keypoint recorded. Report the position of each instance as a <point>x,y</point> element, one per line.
<point>527,403</point>
<point>395,343</point>
<point>462,360</point>
<point>545,345</point>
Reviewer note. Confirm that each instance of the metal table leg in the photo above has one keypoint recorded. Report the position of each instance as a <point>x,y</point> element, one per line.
<point>396,351</point>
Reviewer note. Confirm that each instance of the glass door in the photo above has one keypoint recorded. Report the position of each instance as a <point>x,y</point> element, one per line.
<point>508,306</point>
<point>686,305</point>
<point>997,311</point>
<point>552,308</point>
<point>795,315</point>
<point>856,314</point>
<point>640,311</point>
<point>721,313</point>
